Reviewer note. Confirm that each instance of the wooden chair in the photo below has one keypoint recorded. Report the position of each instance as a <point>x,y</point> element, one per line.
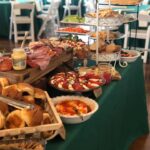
<point>68,7</point>
<point>18,19</point>
<point>141,34</point>
<point>52,14</point>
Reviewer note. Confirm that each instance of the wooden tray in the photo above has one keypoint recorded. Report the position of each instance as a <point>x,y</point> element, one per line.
<point>56,126</point>
<point>30,75</point>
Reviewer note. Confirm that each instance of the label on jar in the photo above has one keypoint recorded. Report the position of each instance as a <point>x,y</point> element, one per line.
<point>19,64</point>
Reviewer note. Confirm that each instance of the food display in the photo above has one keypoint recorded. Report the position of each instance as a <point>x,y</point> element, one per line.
<point>75,109</point>
<point>104,35</point>
<point>105,13</point>
<point>14,119</point>
<point>107,17</point>
<point>78,30</point>
<point>73,19</point>
<point>129,55</point>
<point>103,69</point>
<point>126,2</point>
<point>74,82</point>
<point>5,63</point>
<point>80,49</point>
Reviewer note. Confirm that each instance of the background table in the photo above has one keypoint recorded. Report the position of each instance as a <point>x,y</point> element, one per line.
<point>122,116</point>
<point>5,11</point>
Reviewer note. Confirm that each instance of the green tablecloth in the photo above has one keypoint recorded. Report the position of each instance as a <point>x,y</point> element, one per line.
<point>122,116</point>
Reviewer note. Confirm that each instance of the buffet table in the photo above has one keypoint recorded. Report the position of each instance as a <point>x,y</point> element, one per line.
<point>122,116</point>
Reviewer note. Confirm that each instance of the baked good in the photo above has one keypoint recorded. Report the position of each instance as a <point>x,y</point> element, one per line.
<point>3,108</point>
<point>112,48</point>
<point>105,13</point>
<point>26,89</point>
<point>5,64</point>
<point>15,120</point>
<point>28,99</point>
<point>32,117</point>
<point>47,120</point>
<point>12,92</point>
<point>103,35</point>
<point>40,97</point>
<point>125,2</point>
<point>2,120</point>
<point>3,82</point>
<point>101,47</point>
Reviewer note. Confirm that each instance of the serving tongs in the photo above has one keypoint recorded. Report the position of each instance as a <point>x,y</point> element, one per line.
<point>15,103</point>
<point>78,113</point>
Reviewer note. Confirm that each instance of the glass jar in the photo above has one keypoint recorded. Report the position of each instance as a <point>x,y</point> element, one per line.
<point>19,58</point>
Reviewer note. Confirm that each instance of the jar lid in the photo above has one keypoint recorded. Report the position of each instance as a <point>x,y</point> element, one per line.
<point>18,49</point>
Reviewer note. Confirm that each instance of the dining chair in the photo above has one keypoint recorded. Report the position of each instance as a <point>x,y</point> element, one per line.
<point>17,19</point>
<point>140,34</point>
<point>68,7</point>
<point>52,14</point>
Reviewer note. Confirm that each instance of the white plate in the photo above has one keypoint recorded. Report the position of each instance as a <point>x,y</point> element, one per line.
<point>76,119</point>
<point>131,59</point>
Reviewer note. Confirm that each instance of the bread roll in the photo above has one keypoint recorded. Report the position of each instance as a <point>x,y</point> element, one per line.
<point>15,120</point>
<point>26,89</point>
<point>3,108</point>
<point>12,92</point>
<point>28,99</point>
<point>112,48</point>
<point>32,117</point>
<point>3,82</point>
<point>40,97</point>
<point>2,120</point>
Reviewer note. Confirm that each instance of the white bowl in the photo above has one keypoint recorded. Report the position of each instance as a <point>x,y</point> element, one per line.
<point>131,59</point>
<point>77,119</point>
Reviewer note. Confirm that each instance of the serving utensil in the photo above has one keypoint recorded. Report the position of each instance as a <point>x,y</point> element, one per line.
<point>78,113</point>
<point>24,40</point>
<point>15,103</point>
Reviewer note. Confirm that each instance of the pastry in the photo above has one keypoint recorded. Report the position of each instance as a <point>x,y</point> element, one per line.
<point>12,92</point>
<point>101,47</point>
<point>2,120</point>
<point>26,89</point>
<point>32,117</point>
<point>125,2</point>
<point>112,48</point>
<point>3,82</point>
<point>28,99</point>
<point>40,97</point>
<point>103,35</point>
<point>4,108</point>
<point>15,120</point>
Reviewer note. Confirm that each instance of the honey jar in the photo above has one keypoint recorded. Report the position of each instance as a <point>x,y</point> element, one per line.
<point>19,58</point>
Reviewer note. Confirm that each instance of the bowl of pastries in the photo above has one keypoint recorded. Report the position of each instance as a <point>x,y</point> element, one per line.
<point>129,55</point>
<point>75,109</point>
<point>125,2</point>
<point>107,17</point>
<point>107,52</point>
